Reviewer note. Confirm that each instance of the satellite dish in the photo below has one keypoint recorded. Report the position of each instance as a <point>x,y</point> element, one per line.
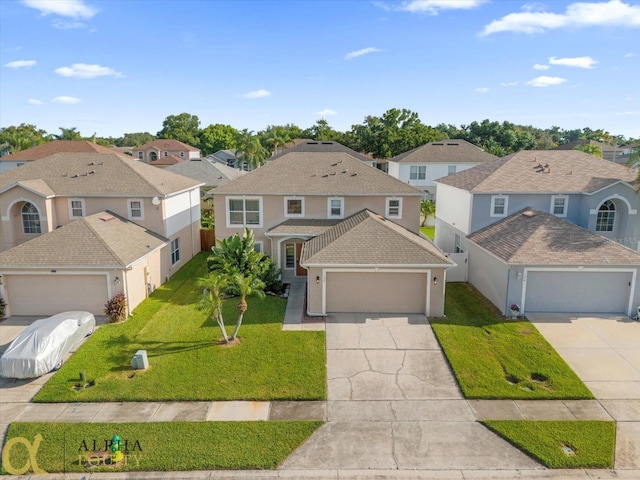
<point>155,200</point>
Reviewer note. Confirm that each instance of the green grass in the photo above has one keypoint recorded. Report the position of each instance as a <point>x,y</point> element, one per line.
<point>497,358</point>
<point>428,231</point>
<point>592,441</point>
<point>185,362</point>
<point>164,446</point>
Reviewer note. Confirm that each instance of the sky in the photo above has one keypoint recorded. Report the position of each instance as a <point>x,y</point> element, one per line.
<point>121,66</point>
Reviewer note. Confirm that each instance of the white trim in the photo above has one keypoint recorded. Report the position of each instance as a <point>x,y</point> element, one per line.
<point>130,210</point>
<point>616,196</point>
<point>633,272</point>
<point>374,270</point>
<point>284,267</point>
<point>493,206</point>
<point>286,205</point>
<point>566,205</point>
<point>244,211</point>
<point>382,266</point>
<point>329,199</point>
<point>173,250</point>
<point>82,207</point>
<point>387,207</point>
<point>418,167</point>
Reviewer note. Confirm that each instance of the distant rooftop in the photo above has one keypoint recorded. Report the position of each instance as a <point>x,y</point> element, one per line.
<point>445,151</point>
<point>57,146</point>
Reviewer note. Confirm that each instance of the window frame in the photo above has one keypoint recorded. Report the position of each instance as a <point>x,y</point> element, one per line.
<point>420,170</point>
<point>258,246</point>
<point>454,167</point>
<point>71,208</point>
<point>387,208</point>
<point>175,250</point>
<point>341,200</point>
<point>610,217</point>
<point>287,257</point>
<point>141,155</point>
<point>32,221</point>
<point>565,206</point>
<point>130,209</point>
<point>244,223</point>
<point>493,213</point>
<point>286,207</point>
<point>457,243</point>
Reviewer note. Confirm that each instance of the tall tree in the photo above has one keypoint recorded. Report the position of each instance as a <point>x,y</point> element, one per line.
<point>246,285</point>
<point>275,139</point>
<point>135,139</point>
<point>22,137</point>
<point>249,149</point>
<point>184,127</point>
<point>217,137</point>
<point>213,288</point>
<point>322,131</point>
<point>591,149</point>
<point>68,134</point>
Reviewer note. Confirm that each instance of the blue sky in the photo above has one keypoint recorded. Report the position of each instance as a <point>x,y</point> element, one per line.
<point>119,66</point>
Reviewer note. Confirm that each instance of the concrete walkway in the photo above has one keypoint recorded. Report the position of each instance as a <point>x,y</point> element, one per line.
<point>294,315</point>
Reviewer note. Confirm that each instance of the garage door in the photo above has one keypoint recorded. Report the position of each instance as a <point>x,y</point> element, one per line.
<point>376,292</point>
<point>589,292</point>
<point>50,294</point>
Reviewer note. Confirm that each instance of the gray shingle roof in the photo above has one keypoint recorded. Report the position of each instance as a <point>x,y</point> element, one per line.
<point>70,174</point>
<point>541,171</point>
<point>319,146</point>
<point>317,173</point>
<point>100,240</point>
<point>366,238</point>
<point>445,151</point>
<point>302,226</point>
<point>203,170</point>
<point>532,237</point>
<point>57,146</point>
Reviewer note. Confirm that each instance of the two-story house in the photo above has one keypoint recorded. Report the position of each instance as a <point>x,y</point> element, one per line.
<point>369,256</point>
<point>421,166</point>
<point>550,231</point>
<point>76,228</point>
<point>163,148</point>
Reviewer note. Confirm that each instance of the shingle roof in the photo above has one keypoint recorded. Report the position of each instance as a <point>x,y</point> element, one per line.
<point>100,240</point>
<point>57,146</point>
<point>167,160</point>
<point>166,144</point>
<point>366,238</point>
<point>317,173</point>
<point>203,170</point>
<point>302,226</point>
<point>532,237</point>
<point>538,171</point>
<point>445,151</point>
<point>69,174</point>
<point>320,146</point>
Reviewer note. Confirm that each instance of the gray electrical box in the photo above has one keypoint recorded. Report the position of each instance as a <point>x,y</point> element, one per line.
<point>140,361</point>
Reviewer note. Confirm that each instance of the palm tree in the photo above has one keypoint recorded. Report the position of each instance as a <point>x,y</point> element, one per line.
<point>277,139</point>
<point>250,149</point>
<point>591,149</point>
<point>246,285</point>
<point>427,209</point>
<point>213,286</point>
<point>634,162</point>
<point>68,134</point>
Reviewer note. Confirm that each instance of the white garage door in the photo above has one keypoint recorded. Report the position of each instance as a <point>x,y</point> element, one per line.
<point>373,292</point>
<point>589,292</point>
<point>51,294</point>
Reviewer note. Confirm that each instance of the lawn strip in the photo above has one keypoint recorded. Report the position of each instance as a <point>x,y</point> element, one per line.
<point>163,446</point>
<point>497,358</point>
<point>561,444</point>
<point>428,231</point>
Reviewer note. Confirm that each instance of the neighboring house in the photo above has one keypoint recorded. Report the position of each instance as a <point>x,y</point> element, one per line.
<point>582,210</point>
<point>421,166</point>
<point>228,158</point>
<point>211,174</point>
<point>324,146</point>
<point>167,161</point>
<point>50,148</point>
<point>609,152</point>
<point>153,151</point>
<point>336,197</point>
<point>53,211</point>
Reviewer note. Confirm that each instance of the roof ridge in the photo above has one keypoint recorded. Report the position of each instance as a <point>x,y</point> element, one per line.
<point>144,179</point>
<point>100,239</point>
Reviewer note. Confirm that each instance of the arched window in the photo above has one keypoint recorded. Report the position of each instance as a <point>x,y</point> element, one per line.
<point>606,217</point>
<point>30,219</point>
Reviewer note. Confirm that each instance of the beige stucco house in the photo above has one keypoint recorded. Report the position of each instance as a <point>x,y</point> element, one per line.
<point>154,152</point>
<point>56,214</point>
<point>303,195</point>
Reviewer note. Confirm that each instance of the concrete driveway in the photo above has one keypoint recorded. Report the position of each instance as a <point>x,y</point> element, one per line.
<point>393,403</point>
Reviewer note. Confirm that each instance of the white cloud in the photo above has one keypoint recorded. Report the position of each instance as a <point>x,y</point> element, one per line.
<point>326,111</point>
<point>629,55</point>
<point>62,25</point>
<point>538,66</point>
<point>577,62</point>
<point>359,53</point>
<point>432,7</point>
<point>64,8</point>
<point>83,70</point>
<point>257,94</point>
<point>67,100</point>
<point>20,64</point>
<point>34,101</point>
<point>577,15</point>
<point>544,81</point>
<point>509,84</point>
<point>481,89</point>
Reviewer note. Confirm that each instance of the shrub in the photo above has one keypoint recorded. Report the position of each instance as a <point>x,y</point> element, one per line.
<point>116,308</point>
<point>3,308</point>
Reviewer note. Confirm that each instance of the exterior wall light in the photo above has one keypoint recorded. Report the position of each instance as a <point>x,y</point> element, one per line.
<point>318,280</point>
<point>116,281</point>
<point>435,280</point>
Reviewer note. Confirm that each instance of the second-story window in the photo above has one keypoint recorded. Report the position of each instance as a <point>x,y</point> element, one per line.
<point>293,207</point>
<point>336,207</point>
<point>394,208</point>
<point>140,155</point>
<point>244,211</point>
<point>417,172</point>
<point>135,209</point>
<point>499,205</point>
<point>77,208</point>
<point>30,219</point>
<point>451,169</point>
<point>559,205</point>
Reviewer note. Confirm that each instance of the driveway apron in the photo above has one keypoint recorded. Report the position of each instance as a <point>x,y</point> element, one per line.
<point>393,403</point>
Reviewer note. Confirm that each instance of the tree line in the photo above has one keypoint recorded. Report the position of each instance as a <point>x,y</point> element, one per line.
<point>394,132</point>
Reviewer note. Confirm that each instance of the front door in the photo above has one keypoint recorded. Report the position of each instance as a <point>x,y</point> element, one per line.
<point>299,270</point>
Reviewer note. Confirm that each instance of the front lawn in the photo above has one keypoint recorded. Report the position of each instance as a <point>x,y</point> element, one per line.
<point>429,232</point>
<point>493,357</point>
<point>562,444</point>
<point>185,362</point>
<point>161,446</point>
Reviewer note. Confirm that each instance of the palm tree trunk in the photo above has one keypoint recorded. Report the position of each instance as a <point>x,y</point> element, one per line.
<point>238,325</point>
<point>220,321</point>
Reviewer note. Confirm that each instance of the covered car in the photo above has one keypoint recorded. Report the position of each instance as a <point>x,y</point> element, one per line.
<point>41,347</point>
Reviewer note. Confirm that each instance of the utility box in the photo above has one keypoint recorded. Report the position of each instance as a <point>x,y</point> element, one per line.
<point>140,361</point>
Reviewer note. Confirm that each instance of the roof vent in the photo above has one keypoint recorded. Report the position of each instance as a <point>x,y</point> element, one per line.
<point>529,213</point>
<point>438,144</point>
<point>74,176</point>
<point>312,143</point>
<point>327,143</point>
<point>354,174</point>
<point>91,164</point>
<point>325,175</point>
<point>107,218</point>
<point>454,144</point>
